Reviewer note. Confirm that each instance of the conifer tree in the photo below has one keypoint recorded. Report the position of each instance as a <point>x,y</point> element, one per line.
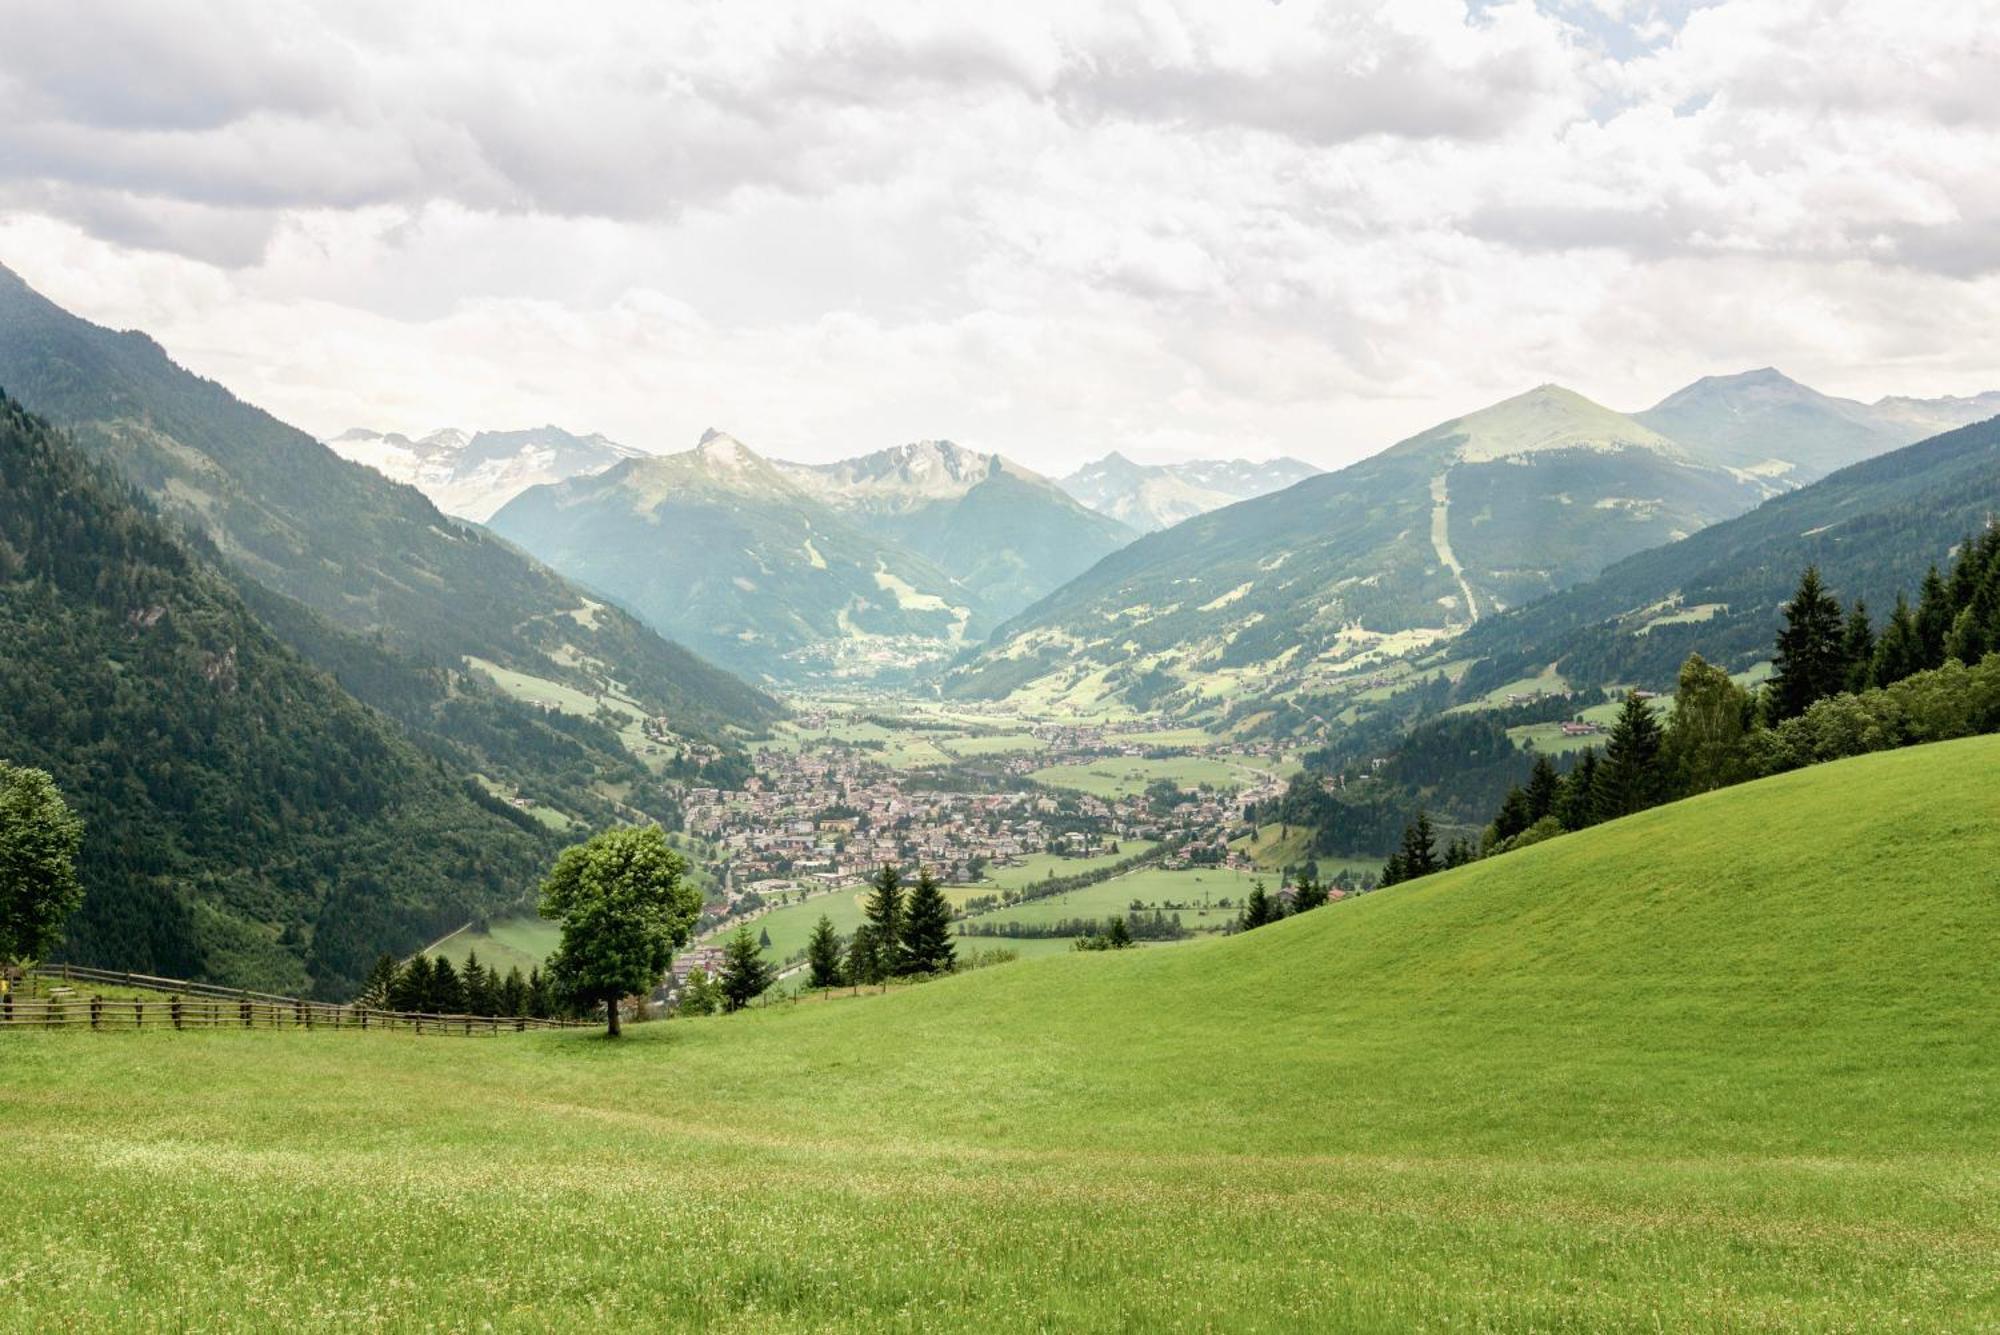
<point>1307,894</point>
<point>745,972</point>
<point>1935,615</point>
<point>1576,808</point>
<point>884,912</point>
<point>1899,652</point>
<point>1419,847</point>
<point>479,986</point>
<point>1857,647</point>
<point>411,990</point>
<point>1392,870</point>
<point>1118,934</point>
<point>763,938</point>
<point>1543,786</point>
<point>823,955</point>
<point>378,987</point>
<point>513,993</point>
<point>864,961</point>
<point>541,1005</point>
<point>447,992</point>
<point>1513,816</point>
<point>1811,661</point>
<point>1257,908</point>
<point>925,945</point>
<point>1632,777</point>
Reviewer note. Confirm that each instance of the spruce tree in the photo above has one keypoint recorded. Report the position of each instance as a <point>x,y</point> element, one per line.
<point>541,1005</point>
<point>1935,615</point>
<point>1857,647</point>
<point>1899,652</point>
<point>925,946</point>
<point>1811,661</point>
<point>514,993</point>
<point>1513,816</point>
<point>379,985</point>
<point>1632,776</point>
<point>823,955</point>
<point>1392,871</point>
<point>411,991</point>
<point>763,938</point>
<point>478,986</point>
<point>864,961</point>
<point>746,974</point>
<point>1307,894</point>
<point>1456,854</point>
<point>447,995</point>
<point>1118,934</point>
<point>1543,786</point>
<point>884,912</point>
<point>1576,808</point>
<point>1257,908</point>
<point>1419,849</point>
<point>699,994</point>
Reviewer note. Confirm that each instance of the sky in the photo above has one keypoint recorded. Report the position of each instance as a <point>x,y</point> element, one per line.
<point>1175,228</point>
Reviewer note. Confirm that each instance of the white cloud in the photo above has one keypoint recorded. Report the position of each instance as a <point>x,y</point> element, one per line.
<point>1177,225</point>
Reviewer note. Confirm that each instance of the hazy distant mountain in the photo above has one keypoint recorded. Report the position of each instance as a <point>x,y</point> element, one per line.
<point>1008,534</point>
<point>474,475</point>
<point>722,548</point>
<point>1155,496</point>
<point>1402,549</point>
<point>1767,423</point>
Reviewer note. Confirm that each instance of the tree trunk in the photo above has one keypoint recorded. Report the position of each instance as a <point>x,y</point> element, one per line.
<point>611,1017</point>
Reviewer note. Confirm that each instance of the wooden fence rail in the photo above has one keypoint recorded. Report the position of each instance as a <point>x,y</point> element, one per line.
<point>186,1005</point>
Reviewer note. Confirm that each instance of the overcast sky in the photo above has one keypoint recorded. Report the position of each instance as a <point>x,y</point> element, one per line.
<point>1175,228</point>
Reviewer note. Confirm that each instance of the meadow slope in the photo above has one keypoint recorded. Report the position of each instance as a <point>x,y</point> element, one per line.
<point>1729,1064</point>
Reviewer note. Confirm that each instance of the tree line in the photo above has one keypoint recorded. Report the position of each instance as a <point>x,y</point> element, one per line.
<point>1838,688</point>
<point>430,984</point>
<point>906,933</point>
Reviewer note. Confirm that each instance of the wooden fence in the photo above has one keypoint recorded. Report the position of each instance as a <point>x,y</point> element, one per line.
<point>183,1005</point>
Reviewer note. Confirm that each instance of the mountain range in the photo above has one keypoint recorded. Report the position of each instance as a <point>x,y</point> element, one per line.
<point>1403,549</point>
<point>1769,424</point>
<point>1148,497</point>
<point>869,567</point>
<point>472,475</point>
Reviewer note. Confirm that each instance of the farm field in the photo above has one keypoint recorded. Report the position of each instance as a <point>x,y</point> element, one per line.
<point>1152,886</point>
<point>791,926</point>
<point>1728,1064</point>
<point>1039,866</point>
<point>1123,776</point>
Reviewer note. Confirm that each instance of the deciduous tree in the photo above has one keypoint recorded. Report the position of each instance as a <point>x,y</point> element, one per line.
<point>624,907</point>
<point>39,840</point>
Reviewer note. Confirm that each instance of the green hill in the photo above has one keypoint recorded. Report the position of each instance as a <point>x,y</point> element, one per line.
<point>1401,550</point>
<point>414,596</point>
<point>248,822</point>
<point>1730,1064</point>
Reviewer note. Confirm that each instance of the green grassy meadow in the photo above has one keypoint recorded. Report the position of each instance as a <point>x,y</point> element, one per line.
<point>520,942</point>
<point>1126,776</point>
<point>1732,1064</point>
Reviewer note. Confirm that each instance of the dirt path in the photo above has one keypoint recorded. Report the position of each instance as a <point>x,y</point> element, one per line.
<point>1441,539</point>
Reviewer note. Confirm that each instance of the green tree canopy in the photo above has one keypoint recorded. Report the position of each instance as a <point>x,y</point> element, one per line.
<point>1704,747</point>
<point>39,840</point>
<point>1811,662</point>
<point>1632,776</point>
<point>624,907</point>
<point>823,954</point>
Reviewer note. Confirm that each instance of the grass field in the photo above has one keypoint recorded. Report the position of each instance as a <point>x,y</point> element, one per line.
<point>1038,867</point>
<point>1728,1065</point>
<point>523,942</point>
<point>1151,886</point>
<point>1124,776</point>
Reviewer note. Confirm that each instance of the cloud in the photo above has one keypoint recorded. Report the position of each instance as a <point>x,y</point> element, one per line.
<point>1177,224</point>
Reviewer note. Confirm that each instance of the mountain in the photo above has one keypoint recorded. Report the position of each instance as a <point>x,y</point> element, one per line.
<point>458,634</point>
<point>247,821</point>
<point>1403,549</point>
<point>1767,423</point>
<point>1156,496</point>
<point>474,475</point>
<point>1873,529</point>
<point>1008,534</point>
<point>721,548</point>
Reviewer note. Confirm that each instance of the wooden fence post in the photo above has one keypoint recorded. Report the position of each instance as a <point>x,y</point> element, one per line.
<point>246,1011</point>
<point>174,1007</point>
<point>138,1013</point>
<point>96,1009</point>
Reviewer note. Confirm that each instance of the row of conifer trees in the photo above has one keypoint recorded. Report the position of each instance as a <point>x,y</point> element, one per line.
<point>1837,688</point>
<point>434,986</point>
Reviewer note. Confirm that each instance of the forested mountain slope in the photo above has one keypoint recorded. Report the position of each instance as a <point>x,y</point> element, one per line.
<point>1406,548</point>
<point>246,820</point>
<point>1873,529</point>
<point>418,609</point>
